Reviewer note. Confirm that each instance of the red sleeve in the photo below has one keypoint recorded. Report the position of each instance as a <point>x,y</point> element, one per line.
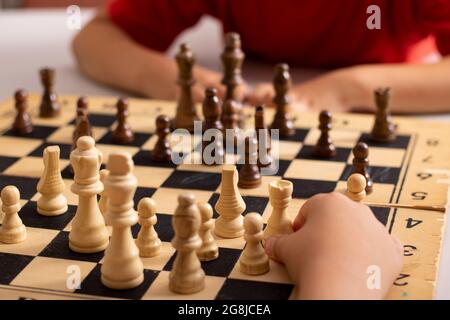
<point>156,23</point>
<point>434,16</point>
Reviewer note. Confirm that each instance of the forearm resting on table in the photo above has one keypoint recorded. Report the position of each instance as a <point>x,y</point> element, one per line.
<point>416,88</point>
<point>108,55</point>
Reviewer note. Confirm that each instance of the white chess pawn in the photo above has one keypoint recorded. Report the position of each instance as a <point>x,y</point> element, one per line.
<point>254,260</point>
<point>209,250</point>
<point>147,240</point>
<point>51,185</point>
<point>187,275</point>
<point>12,229</point>
<point>103,202</point>
<point>356,185</point>
<point>280,195</point>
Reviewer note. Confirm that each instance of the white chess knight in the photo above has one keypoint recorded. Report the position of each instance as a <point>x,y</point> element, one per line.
<point>89,233</point>
<point>122,267</point>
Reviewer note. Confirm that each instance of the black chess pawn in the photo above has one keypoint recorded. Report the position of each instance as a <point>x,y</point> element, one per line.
<point>282,85</point>
<point>162,150</point>
<point>50,106</point>
<point>82,129</point>
<point>122,134</point>
<point>361,163</point>
<point>212,140</point>
<point>82,110</point>
<point>249,174</point>
<point>325,147</point>
<point>22,122</point>
<point>186,113</point>
<point>383,128</point>
<point>264,139</point>
<point>230,119</point>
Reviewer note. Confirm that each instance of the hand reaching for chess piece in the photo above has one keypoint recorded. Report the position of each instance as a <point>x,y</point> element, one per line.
<point>327,253</point>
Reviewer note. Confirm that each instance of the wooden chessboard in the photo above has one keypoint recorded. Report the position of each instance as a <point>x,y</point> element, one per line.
<point>413,169</point>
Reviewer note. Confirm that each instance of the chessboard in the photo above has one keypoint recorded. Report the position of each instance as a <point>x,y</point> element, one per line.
<point>413,170</point>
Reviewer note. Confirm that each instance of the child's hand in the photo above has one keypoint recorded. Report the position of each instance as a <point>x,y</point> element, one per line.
<point>335,241</point>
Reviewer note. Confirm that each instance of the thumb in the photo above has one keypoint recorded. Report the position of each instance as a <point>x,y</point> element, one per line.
<point>275,247</point>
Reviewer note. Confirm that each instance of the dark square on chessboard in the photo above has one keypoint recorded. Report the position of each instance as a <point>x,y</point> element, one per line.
<point>400,142</point>
<point>378,174</point>
<point>234,289</point>
<point>307,153</point>
<point>143,158</point>
<point>193,180</point>
<point>6,162</point>
<point>31,218</point>
<point>305,189</point>
<point>65,150</point>
<point>99,120</point>
<point>26,185</point>
<point>139,139</point>
<point>163,227</point>
<point>39,132</point>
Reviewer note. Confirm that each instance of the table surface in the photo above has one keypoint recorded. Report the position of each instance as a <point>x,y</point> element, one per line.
<point>31,39</point>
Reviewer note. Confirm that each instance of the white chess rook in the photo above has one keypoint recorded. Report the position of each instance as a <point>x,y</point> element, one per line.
<point>51,185</point>
<point>89,233</point>
<point>280,195</point>
<point>122,268</point>
<point>230,205</point>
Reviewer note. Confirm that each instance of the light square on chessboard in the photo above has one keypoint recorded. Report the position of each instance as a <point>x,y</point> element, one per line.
<point>50,273</point>
<point>159,290</point>
<point>107,149</point>
<point>72,198</point>
<point>382,192</point>
<point>151,177</point>
<point>65,134</point>
<point>236,243</point>
<point>384,157</point>
<point>157,263</point>
<point>17,147</point>
<point>292,209</point>
<point>261,191</point>
<point>192,163</point>
<point>31,167</point>
<point>64,118</point>
<point>287,150</point>
<point>341,138</point>
<point>37,240</point>
<point>315,170</point>
<point>167,198</point>
<point>276,274</point>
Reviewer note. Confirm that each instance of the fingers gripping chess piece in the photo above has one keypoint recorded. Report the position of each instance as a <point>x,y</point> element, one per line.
<point>356,185</point>
<point>103,202</point>
<point>22,122</point>
<point>51,185</point>
<point>229,206</point>
<point>148,241</point>
<point>209,250</point>
<point>187,275</point>
<point>122,268</point>
<point>88,233</point>
<point>280,195</point>
<point>12,229</point>
<point>254,260</point>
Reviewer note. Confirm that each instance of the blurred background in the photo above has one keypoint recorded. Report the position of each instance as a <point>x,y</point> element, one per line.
<point>12,4</point>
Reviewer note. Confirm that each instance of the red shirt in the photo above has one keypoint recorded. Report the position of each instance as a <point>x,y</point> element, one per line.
<point>314,33</point>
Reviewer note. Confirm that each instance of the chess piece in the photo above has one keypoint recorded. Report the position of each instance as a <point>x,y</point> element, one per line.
<point>361,164</point>
<point>383,129</point>
<point>282,85</point>
<point>249,175</point>
<point>209,250</point>
<point>325,147</point>
<point>264,140</point>
<point>12,229</point>
<point>103,202</point>
<point>254,260</point>
<point>51,185</point>
<point>356,185</point>
<point>230,119</point>
<point>147,240</point>
<point>186,113</point>
<point>49,107</point>
<point>232,60</point>
<point>82,127</point>
<point>122,268</point>
<point>212,143</point>
<point>280,195</point>
<point>88,233</point>
<point>230,206</point>
<point>162,150</point>
<point>187,275</point>
<point>122,134</point>
<point>22,122</point>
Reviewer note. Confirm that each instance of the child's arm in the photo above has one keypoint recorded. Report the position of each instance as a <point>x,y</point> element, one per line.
<point>107,54</point>
<point>335,242</point>
<point>416,88</point>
